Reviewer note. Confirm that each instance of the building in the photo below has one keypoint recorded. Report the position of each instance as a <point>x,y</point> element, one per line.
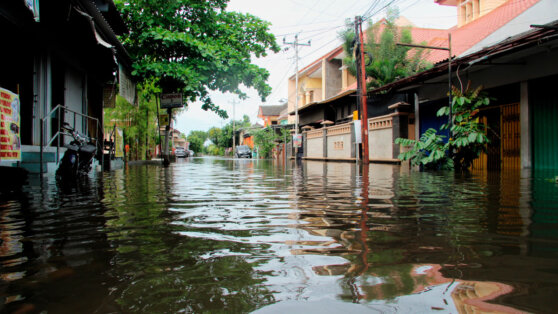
<point>394,112</point>
<point>270,114</point>
<point>519,73</point>
<point>64,62</point>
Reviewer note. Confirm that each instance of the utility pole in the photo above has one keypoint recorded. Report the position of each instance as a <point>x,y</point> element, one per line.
<point>361,82</point>
<point>295,44</point>
<point>233,102</point>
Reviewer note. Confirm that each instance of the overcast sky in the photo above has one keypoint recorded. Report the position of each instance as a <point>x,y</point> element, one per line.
<point>315,20</point>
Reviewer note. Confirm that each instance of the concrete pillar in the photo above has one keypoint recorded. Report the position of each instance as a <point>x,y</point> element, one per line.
<point>324,139</point>
<point>304,145</point>
<point>525,153</point>
<point>353,139</point>
<point>400,125</point>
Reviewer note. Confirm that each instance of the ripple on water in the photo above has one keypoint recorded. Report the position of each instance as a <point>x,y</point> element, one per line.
<point>210,234</point>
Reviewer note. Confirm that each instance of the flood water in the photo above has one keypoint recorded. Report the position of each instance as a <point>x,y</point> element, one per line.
<point>235,236</point>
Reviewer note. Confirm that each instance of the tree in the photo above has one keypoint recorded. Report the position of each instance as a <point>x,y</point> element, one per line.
<point>468,135</point>
<point>195,47</point>
<point>389,62</point>
<point>196,140</point>
<point>137,122</point>
<point>265,140</point>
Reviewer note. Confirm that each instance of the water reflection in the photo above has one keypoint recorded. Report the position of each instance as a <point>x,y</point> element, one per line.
<point>229,235</point>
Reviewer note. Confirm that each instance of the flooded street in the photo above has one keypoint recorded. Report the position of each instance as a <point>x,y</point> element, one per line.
<point>224,235</point>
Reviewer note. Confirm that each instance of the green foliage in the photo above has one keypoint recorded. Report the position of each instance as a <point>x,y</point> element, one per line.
<point>196,140</point>
<point>390,62</point>
<point>429,151</point>
<point>215,150</point>
<point>136,121</point>
<point>468,138</point>
<point>222,138</point>
<point>266,139</point>
<point>195,47</point>
<point>214,134</point>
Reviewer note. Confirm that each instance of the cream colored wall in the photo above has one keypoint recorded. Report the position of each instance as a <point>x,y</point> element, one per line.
<point>347,79</point>
<point>291,102</point>
<point>333,146</point>
<point>380,144</point>
<point>488,5</point>
<point>308,83</point>
<point>476,9</point>
<point>315,147</point>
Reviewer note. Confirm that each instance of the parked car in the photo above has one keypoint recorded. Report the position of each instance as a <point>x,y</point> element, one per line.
<point>180,152</point>
<point>242,151</point>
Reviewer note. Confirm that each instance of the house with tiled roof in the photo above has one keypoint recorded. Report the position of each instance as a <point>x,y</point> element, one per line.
<point>270,114</point>
<point>519,74</point>
<point>329,96</point>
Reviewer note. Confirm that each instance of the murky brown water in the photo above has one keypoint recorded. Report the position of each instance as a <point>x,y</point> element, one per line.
<point>217,235</point>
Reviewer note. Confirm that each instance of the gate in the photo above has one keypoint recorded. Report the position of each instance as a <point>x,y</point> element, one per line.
<point>503,152</point>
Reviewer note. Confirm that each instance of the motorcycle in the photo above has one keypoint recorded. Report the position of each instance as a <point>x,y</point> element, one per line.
<point>77,159</point>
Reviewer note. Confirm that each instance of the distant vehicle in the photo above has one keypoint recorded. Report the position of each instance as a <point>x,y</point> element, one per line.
<point>180,152</point>
<point>242,151</point>
<point>191,153</point>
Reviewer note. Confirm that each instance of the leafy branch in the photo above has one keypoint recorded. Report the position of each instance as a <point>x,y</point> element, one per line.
<point>468,135</point>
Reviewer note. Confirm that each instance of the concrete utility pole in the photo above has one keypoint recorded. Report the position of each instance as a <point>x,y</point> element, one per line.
<point>295,44</point>
<point>233,102</point>
<point>361,79</point>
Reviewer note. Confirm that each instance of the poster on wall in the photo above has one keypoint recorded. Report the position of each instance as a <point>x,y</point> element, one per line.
<point>297,140</point>
<point>10,145</point>
<point>118,144</point>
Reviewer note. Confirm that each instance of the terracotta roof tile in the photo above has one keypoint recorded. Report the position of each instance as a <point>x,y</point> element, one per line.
<point>470,34</point>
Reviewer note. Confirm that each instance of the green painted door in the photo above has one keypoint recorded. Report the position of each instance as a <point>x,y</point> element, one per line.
<point>543,100</point>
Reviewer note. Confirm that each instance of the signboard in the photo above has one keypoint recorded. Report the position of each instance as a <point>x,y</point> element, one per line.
<point>297,140</point>
<point>358,132</point>
<point>171,101</point>
<point>10,145</point>
<point>355,115</point>
<point>163,119</point>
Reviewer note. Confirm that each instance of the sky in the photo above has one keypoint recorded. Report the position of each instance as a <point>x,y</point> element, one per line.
<point>316,20</point>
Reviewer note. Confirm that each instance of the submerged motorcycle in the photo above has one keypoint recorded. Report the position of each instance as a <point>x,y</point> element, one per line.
<point>78,157</point>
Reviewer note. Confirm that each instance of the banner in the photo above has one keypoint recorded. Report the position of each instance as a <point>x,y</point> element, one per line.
<point>297,140</point>
<point>10,145</point>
